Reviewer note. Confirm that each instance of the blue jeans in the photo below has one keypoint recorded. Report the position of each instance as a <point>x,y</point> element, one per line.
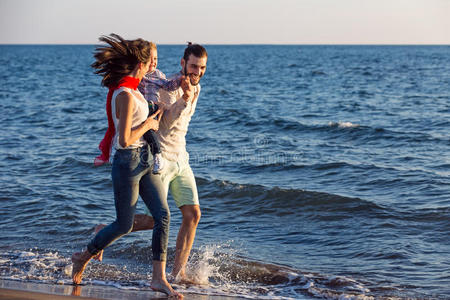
<point>132,176</point>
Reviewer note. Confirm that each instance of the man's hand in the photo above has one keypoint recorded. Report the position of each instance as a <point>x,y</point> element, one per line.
<point>188,89</point>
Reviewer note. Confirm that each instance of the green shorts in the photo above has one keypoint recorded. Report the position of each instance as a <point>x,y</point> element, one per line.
<point>179,179</point>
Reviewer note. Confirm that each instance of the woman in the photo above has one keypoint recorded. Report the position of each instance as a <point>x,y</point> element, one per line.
<point>123,63</point>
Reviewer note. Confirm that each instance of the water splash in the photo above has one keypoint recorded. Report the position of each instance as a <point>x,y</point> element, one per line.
<point>209,261</point>
<point>222,272</point>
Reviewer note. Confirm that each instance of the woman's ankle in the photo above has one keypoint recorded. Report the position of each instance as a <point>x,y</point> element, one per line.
<point>83,256</point>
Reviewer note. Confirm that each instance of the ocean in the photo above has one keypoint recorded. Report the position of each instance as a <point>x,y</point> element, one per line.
<point>323,172</point>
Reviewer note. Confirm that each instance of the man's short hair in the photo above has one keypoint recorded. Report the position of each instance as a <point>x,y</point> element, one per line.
<point>194,49</point>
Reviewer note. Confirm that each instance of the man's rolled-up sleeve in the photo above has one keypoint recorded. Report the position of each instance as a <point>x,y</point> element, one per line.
<point>172,111</point>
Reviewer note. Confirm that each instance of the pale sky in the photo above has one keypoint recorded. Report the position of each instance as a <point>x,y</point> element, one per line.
<point>227,21</point>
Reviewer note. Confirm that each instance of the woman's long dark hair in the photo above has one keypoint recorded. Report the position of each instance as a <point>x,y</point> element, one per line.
<point>120,58</point>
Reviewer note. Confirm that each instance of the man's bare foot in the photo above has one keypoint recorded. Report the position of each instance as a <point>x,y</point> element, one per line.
<point>164,287</point>
<point>79,261</point>
<point>99,255</point>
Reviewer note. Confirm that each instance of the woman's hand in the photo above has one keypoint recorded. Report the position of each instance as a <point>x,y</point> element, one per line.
<point>151,123</point>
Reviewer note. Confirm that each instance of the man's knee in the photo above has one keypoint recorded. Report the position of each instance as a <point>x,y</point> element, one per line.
<point>191,214</point>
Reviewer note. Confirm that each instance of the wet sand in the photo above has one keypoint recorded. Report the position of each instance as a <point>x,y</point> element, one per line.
<point>18,290</point>
<point>27,290</point>
<point>7,294</point>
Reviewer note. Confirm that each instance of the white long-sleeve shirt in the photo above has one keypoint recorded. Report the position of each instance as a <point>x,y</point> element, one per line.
<point>175,122</point>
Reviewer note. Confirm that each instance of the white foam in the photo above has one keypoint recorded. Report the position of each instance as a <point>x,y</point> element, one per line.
<point>343,124</point>
<point>26,254</point>
<point>219,267</point>
<point>292,275</point>
<point>68,270</point>
<point>115,285</point>
<point>28,265</point>
<point>308,285</point>
<point>3,261</point>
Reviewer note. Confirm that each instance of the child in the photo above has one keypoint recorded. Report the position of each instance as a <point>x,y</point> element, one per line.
<point>149,87</point>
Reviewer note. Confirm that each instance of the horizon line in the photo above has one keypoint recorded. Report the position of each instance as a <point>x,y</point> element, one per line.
<point>242,44</point>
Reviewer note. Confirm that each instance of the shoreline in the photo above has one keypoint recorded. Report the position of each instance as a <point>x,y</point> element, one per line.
<point>19,290</point>
<point>14,294</point>
<point>11,289</point>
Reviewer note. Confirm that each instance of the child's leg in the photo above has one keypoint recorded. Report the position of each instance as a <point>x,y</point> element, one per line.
<point>151,138</point>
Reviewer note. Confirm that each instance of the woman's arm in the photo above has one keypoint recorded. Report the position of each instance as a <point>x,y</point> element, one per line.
<point>124,111</point>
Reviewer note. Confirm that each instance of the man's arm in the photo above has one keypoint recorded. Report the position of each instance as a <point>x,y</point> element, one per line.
<point>165,84</point>
<point>172,111</point>
<point>168,84</point>
<point>152,83</point>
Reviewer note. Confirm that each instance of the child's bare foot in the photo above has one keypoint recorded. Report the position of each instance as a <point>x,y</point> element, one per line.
<point>164,287</point>
<point>80,261</point>
<point>99,255</point>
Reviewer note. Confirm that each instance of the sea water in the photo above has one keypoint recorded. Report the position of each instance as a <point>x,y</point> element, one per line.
<point>323,172</point>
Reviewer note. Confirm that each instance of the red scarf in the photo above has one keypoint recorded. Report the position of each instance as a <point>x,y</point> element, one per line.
<point>105,144</point>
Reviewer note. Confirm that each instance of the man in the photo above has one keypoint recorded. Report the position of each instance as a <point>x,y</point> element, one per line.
<point>177,175</point>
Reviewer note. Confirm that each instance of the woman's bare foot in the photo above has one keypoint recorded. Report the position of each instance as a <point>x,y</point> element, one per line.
<point>76,290</point>
<point>80,261</point>
<point>164,287</point>
<point>99,255</point>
